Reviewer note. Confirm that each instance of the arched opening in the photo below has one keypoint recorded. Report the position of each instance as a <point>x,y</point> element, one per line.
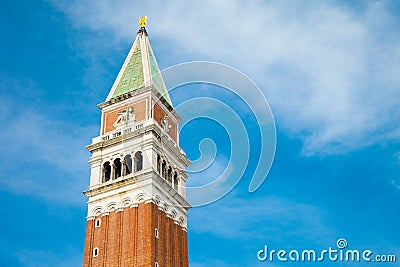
<point>158,163</point>
<point>128,165</point>
<point>117,168</point>
<point>138,161</point>
<point>169,175</point>
<point>164,169</point>
<point>106,172</point>
<point>176,181</point>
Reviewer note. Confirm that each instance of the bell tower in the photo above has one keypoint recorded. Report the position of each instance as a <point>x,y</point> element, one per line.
<point>137,208</point>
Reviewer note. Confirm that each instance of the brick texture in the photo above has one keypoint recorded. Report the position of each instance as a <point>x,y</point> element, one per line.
<point>127,238</point>
<point>159,115</point>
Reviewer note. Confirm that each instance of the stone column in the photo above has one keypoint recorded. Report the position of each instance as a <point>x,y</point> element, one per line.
<point>123,167</point>
<point>112,175</point>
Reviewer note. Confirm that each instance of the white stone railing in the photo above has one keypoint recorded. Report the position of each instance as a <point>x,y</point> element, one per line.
<point>129,129</point>
<point>120,131</point>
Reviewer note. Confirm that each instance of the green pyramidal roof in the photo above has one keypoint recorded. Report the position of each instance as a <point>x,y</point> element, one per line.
<point>140,69</point>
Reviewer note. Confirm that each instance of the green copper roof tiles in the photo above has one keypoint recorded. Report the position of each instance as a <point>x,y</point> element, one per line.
<point>133,75</point>
<point>156,77</point>
<point>132,78</point>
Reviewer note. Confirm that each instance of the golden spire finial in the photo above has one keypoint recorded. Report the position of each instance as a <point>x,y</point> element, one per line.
<point>143,21</point>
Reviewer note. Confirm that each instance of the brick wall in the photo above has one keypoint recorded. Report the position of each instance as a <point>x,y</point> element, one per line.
<point>127,238</point>
<point>159,115</point>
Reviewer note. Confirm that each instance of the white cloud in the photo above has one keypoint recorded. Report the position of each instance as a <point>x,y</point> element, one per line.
<point>331,73</point>
<point>267,217</point>
<point>41,156</point>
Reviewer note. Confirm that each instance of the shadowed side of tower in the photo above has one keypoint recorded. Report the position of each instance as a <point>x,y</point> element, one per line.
<point>137,208</point>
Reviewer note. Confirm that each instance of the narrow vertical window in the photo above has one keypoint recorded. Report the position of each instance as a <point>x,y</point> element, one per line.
<point>156,265</point>
<point>156,233</point>
<point>95,252</point>
<point>97,223</point>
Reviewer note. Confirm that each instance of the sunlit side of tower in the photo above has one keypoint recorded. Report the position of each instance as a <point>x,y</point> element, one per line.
<point>137,208</point>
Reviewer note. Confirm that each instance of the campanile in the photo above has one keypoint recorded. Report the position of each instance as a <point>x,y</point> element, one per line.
<point>137,208</point>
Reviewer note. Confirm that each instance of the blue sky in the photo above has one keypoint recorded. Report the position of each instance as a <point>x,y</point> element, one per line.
<point>330,71</point>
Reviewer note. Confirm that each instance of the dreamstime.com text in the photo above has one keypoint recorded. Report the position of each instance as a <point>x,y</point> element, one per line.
<point>330,254</point>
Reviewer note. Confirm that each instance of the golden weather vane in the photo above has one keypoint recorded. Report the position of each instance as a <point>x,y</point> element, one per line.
<point>143,21</point>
